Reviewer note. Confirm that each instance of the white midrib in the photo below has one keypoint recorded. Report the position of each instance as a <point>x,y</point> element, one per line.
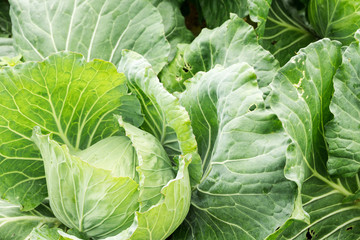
<point>70,27</point>
<point>333,185</point>
<point>28,218</point>
<point>58,124</point>
<point>119,41</point>
<point>50,28</point>
<point>94,33</point>
<point>331,18</point>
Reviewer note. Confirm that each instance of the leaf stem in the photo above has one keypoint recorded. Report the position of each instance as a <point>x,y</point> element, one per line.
<point>339,188</point>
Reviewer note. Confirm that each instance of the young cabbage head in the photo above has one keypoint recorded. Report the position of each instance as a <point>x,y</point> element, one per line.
<point>118,187</point>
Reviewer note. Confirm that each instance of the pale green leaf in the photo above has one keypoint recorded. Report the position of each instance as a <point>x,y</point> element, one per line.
<point>164,117</point>
<point>16,224</point>
<point>67,236</point>
<point>244,193</point>
<point>65,95</point>
<point>154,166</point>
<point>73,234</point>
<point>85,197</point>
<point>162,219</point>
<point>115,154</point>
<point>45,233</point>
<point>6,47</point>
<point>335,19</point>
<point>97,29</point>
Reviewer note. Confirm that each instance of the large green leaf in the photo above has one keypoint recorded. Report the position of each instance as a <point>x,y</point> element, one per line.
<point>217,12</point>
<point>97,29</point>
<point>286,30</point>
<point>301,97</point>
<point>335,19</point>
<point>235,41</point>
<point>65,95</point>
<point>164,117</point>
<point>243,194</point>
<point>174,22</point>
<point>5,21</point>
<point>84,197</point>
<point>343,132</point>
<point>15,224</point>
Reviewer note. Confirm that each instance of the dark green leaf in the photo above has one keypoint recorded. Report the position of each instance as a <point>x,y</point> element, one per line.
<point>5,21</point>
<point>286,30</point>
<point>343,133</point>
<point>234,42</point>
<point>243,194</point>
<point>217,12</point>
<point>301,97</point>
<point>335,19</point>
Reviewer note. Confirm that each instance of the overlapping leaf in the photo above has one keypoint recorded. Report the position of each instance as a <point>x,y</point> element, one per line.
<point>174,23</point>
<point>164,117</point>
<point>343,132</point>
<point>301,96</point>
<point>162,219</point>
<point>97,29</point>
<point>154,166</point>
<point>235,41</point>
<point>243,193</point>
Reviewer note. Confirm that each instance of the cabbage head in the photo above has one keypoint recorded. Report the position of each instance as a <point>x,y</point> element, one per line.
<point>77,133</point>
<point>102,190</point>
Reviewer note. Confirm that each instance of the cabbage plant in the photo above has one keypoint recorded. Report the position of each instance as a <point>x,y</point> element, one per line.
<point>257,140</point>
<point>98,190</point>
